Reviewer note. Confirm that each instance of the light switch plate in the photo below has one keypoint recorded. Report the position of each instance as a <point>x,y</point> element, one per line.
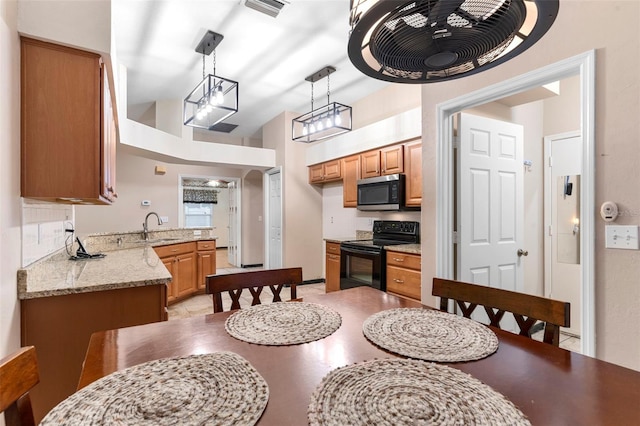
<point>164,219</point>
<point>621,237</point>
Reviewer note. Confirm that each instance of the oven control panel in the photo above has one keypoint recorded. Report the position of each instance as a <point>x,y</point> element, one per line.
<point>395,227</point>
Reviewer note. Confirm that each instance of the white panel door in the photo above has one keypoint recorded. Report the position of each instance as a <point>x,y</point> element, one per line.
<point>490,206</point>
<point>275,221</point>
<point>232,250</point>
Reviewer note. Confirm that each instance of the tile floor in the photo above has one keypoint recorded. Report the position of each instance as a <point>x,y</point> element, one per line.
<point>567,341</point>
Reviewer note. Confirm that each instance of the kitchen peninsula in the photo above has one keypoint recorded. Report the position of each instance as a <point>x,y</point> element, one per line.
<point>64,301</point>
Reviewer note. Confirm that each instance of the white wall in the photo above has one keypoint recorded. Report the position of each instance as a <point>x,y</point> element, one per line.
<point>10,210</point>
<point>302,203</point>
<point>136,180</point>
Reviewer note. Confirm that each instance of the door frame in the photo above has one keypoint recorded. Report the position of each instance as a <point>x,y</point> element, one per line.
<point>238,213</point>
<point>582,65</point>
<point>267,213</point>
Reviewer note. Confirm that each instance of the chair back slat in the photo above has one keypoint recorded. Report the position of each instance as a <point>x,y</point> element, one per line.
<point>527,309</point>
<point>234,284</point>
<point>18,375</point>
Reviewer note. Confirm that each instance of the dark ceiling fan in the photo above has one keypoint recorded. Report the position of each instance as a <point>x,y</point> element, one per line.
<point>434,40</point>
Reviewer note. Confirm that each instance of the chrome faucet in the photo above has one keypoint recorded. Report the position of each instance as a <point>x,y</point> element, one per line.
<point>145,227</point>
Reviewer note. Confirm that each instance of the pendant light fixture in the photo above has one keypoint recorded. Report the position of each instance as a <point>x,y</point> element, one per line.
<point>424,41</point>
<point>324,122</point>
<point>215,98</point>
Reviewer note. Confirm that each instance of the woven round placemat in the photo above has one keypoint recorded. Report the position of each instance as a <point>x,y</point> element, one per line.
<point>213,389</point>
<point>283,323</point>
<point>397,392</point>
<point>430,335</point>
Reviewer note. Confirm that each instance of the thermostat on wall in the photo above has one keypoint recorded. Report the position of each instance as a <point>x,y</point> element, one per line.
<point>145,203</point>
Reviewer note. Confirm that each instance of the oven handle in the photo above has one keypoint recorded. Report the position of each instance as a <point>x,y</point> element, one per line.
<point>348,250</point>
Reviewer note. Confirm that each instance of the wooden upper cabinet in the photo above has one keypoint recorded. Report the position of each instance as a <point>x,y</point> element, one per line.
<point>413,169</point>
<point>325,172</point>
<point>381,162</point>
<point>370,164</point>
<point>392,160</point>
<point>68,126</point>
<point>351,174</point>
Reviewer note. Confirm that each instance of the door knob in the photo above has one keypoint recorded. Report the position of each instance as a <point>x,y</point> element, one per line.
<point>522,252</point>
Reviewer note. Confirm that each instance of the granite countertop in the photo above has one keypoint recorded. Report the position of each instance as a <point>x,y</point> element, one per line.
<point>338,240</point>
<point>405,248</point>
<point>128,262</point>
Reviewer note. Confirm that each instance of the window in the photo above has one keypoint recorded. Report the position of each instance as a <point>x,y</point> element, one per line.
<point>198,215</point>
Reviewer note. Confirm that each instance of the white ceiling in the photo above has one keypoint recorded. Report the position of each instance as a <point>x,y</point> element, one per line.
<point>269,57</point>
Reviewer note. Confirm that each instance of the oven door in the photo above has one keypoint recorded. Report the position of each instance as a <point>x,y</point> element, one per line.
<point>361,267</point>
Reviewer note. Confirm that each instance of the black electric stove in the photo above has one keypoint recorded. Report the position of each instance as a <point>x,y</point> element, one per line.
<point>362,262</point>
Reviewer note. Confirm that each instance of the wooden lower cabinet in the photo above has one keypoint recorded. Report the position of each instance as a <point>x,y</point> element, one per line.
<point>60,327</point>
<point>332,258</point>
<point>206,262</point>
<point>180,261</point>
<point>188,264</point>
<point>403,274</point>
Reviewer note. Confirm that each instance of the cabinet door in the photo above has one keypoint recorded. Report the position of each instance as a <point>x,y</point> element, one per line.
<point>413,169</point>
<point>370,164</point>
<point>109,140</point>
<point>316,173</point>
<point>62,109</point>
<point>332,170</point>
<point>206,266</point>
<point>185,270</point>
<point>171,287</point>
<point>332,267</point>
<point>351,174</point>
<point>392,160</point>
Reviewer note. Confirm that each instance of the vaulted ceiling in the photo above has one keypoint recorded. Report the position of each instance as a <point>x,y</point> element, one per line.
<point>269,57</point>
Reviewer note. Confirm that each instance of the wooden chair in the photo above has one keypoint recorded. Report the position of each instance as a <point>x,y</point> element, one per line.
<point>255,281</point>
<point>18,375</point>
<point>526,309</point>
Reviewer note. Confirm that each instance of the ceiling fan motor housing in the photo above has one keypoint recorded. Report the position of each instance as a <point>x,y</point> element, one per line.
<point>434,40</point>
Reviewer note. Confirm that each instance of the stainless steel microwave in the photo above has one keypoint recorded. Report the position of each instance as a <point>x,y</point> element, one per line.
<point>381,193</point>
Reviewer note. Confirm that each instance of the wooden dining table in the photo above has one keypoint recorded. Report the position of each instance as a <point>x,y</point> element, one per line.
<point>551,386</point>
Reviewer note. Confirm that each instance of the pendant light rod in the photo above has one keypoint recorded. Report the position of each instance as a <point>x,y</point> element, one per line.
<point>320,74</point>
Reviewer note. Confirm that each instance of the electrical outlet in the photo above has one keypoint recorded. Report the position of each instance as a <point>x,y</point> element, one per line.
<point>621,237</point>
<point>164,219</point>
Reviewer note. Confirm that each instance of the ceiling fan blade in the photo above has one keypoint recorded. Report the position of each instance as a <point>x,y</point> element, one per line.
<point>441,11</point>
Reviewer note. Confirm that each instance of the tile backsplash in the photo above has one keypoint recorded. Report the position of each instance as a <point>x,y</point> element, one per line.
<point>43,229</point>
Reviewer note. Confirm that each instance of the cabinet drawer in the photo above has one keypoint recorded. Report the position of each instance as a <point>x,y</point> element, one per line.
<point>404,282</point>
<point>404,260</point>
<point>206,245</point>
<point>175,249</point>
<point>333,248</point>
